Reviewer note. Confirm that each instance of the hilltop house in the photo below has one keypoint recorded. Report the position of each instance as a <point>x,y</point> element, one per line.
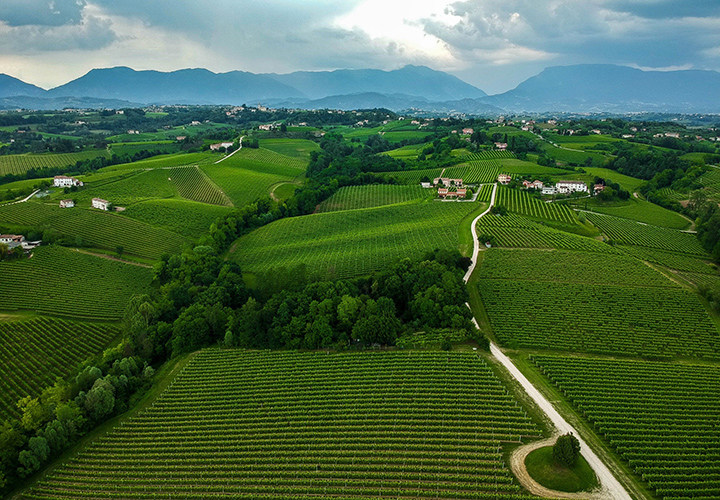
<point>67,203</point>
<point>64,181</point>
<point>101,204</point>
<point>504,179</point>
<point>219,145</point>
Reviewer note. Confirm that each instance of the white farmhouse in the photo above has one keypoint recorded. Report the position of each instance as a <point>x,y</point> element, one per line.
<point>566,187</point>
<point>219,145</point>
<point>64,181</point>
<point>504,179</point>
<point>101,204</point>
<point>549,190</point>
<point>67,203</point>
<point>426,185</point>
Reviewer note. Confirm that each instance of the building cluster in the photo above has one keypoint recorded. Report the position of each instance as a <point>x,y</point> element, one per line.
<point>450,188</point>
<point>220,145</point>
<point>64,181</point>
<point>565,187</point>
<point>18,240</point>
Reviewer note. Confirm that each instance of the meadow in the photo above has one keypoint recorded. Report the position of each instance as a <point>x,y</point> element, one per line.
<point>65,282</point>
<point>295,148</point>
<point>279,425</point>
<point>95,228</point>
<point>352,242</point>
<point>19,164</point>
<point>35,351</point>
<point>373,195</point>
<point>661,418</point>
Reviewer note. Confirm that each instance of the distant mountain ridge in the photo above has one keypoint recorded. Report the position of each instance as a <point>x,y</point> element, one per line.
<point>579,88</point>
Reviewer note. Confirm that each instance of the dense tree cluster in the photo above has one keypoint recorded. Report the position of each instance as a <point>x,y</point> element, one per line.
<point>566,450</point>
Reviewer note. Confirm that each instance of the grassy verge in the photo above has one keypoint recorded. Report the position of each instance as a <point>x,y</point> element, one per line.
<point>543,469</point>
<point>162,379</point>
<point>464,231</point>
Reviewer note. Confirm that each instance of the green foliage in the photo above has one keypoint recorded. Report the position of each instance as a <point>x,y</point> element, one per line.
<point>186,218</point>
<point>659,417</point>
<point>68,283</point>
<point>19,164</point>
<point>96,228</point>
<point>349,412</point>
<point>372,195</point>
<point>352,243</point>
<point>194,185</point>
<point>244,185</point>
<point>414,176</point>
<point>566,450</point>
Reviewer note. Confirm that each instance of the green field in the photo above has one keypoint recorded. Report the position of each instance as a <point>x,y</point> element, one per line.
<point>262,159</point>
<point>626,182</point>
<point>352,242</point>
<point>601,319</point>
<point>241,185</point>
<point>281,425</point>
<point>35,351</point>
<point>186,218</point>
<point>370,196</point>
<point>62,281</point>
<point>634,233</point>
<point>19,164</point>
<point>165,161</point>
<point>414,176</point>
<point>518,232</point>
<point>95,228</point>
<point>638,210</point>
<point>521,202</point>
<point>127,189</point>
<point>295,148</point>
<point>192,184</point>
<point>661,418</point>
<point>519,167</point>
<point>166,147</point>
<point>475,172</point>
<point>672,260</point>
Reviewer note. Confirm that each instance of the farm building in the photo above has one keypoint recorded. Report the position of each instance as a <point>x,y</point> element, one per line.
<point>65,181</point>
<point>597,188</point>
<point>219,145</point>
<point>504,179</point>
<point>101,204</point>
<point>268,127</point>
<point>67,203</point>
<point>181,137</point>
<point>446,193</point>
<point>426,185</point>
<point>467,131</point>
<point>501,145</point>
<point>447,182</point>
<point>549,190</point>
<point>11,238</point>
<point>565,187</point>
<point>532,185</point>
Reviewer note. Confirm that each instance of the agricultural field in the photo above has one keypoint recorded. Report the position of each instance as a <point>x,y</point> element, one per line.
<point>33,352</point>
<point>294,148</point>
<point>569,267</point>
<point>95,228</point>
<point>658,322</point>
<point>485,192</point>
<point>516,167</point>
<point>186,218</point>
<point>125,190</point>
<point>353,242</point>
<point>634,233</point>
<point>294,164</point>
<point>192,184</point>
<point>414,176</point>
<point>637,210</point>
<point>241,185</point>
<point>475,172</point>
<point>167,147</point>
<point>661,418</point>
<point>672,260</point>
<point>279,425</point>
<point>166,161</point>
<point>518,232</point>
<point>494,154</point>
<point>373,195</point>
<point>408,152</point>
<point>19,164</point>
<point>628,183</point>
<point>65,282</point>
<point>521,202</point>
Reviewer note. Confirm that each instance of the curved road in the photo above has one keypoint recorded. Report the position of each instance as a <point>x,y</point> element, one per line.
<point>611,487</point>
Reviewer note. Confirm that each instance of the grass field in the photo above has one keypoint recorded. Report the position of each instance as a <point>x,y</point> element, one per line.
<point>541,466</point>
<point>33,352</point>
<point>280,425</point>
<point>374,195</point>
<point>353,242</point>
<point>95,228</point>
<point>186,218</point>
<point>661,418</point>
<point>295,148</point>
<point>19,164</point>
<point>65,282</point>
<point>633,233</point>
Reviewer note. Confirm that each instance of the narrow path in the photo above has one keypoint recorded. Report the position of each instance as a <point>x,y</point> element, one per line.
<point>610,488</point>
<point>112,257</point>
<point>476,243</point>
<point>228,156</point>
<point>26,198</point>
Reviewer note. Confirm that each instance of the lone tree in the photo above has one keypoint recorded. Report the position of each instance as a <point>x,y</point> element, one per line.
<point>566,450</point>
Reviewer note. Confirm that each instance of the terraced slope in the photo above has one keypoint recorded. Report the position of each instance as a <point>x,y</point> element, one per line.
<point>279,425</point>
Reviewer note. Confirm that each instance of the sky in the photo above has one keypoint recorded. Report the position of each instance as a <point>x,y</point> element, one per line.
<point>491,44</point>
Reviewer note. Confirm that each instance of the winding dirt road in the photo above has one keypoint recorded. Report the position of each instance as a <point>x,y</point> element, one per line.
<point>610,488</point>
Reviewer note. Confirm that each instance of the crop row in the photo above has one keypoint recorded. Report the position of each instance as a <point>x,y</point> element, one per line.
<point>414,176</point>
<point>186,218</point>
<point>634,233</point>
<point>94,228</point>
<point>369,196</point>
<point>34,352</point>
<point>244,185</point>
<point>676,261</point>
<point>523,203</point>
<point>475,172</point>
<point>570,267</point>
<point>661,417</point>
<point>19,164</point>
<point>194,185</point>
<point>278,433</point>
<point>617,320</point>
<point>61,281</point>
<point>489,155</point>
<point>355,242</point>
<point>265,156</point>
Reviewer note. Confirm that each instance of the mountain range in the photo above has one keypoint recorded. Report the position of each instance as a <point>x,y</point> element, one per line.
<point>579,88</point>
